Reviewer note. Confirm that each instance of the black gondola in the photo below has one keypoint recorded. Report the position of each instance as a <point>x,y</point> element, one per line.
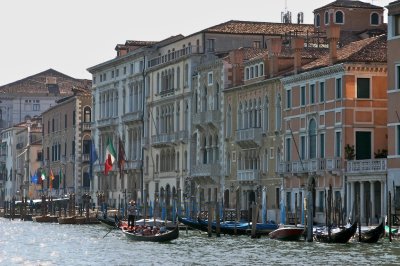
<point>162,237</point>
<point>373,235</point>
<point>195,224</point>
<point>343,236</point>
<point>108,221</point>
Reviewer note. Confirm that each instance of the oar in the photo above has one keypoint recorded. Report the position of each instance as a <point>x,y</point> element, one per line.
<point>112,228</point>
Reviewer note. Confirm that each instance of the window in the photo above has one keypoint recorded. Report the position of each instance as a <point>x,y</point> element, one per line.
<point>363,145</point>
<point>124,70</point>
<point>117,73</point>
<point>338,88</point>
<point>36,107</point>
<point>396,20</point>
<point>65,121</point>
<point>211,45</point>
<point>312,136</point>
<point>288,98</point>
<point>326,18</point>
<point>210,78</point>
<point>321,92</point>
<point>397,77</point>
<point>363,88</point>
<point>257,44</point>
<point>277,197</point>
<point>339,17</point>
<point>288,150</point>
<point>261,69</point>
<point>302,95</point>
<point>321,201</point>
<point>322,145</point>
<point>302,147</point>
<point>312,93</point>
<point>112,74</point>
<point>288,201</point>
<point>374,19</point>
<point>247,73</point>
<point>338,145</point>
<point>317,20</point>
<point>398,140</point>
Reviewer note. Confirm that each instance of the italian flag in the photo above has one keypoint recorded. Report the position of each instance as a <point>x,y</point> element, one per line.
<point>110,156</point>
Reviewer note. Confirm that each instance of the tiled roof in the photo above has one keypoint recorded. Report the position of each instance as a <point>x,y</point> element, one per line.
<point>252,27</point>
<point>349,4</point>
<point>138,43</point>
<point>367,50</point>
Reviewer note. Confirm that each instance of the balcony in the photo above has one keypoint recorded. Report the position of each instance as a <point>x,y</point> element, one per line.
<point>248,175</point>
<point>107,122</point>
<point>85,157</point>
<point>167,92</point>
<point>133,165</point>
<point>132,117</point>
<point>174,56</point>
<point>249,138</point>
<point>182,136</point>
<point>163,140</point>
<point>208,118</point>
<point>376,166</point>
<point>86,126</point>
<point>206,170</point>
<point>311,166</point>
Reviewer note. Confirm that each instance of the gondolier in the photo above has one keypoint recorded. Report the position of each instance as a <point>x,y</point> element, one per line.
<point>131,213</point>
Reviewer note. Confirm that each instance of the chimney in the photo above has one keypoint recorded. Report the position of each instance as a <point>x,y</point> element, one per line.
<point>333,35</point>
<point>297,47</point>
<point>237,57</point>
<point>274,46</point>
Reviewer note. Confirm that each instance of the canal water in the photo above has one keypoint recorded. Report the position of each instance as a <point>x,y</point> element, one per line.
<point>30,243</point>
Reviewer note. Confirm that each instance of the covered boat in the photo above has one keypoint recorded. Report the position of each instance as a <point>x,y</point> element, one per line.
<point>373,235</point>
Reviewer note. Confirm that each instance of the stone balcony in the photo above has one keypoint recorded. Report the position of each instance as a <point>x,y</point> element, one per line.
<point>163,140</point>
<point>311,166</point>
<point>248,175</point>
<point>131,117</point>
<point>85,157</point>
<point>209,118</point>
<point>107,122</point>
<point>206,170</point>
<point>86,126</point>
<point>249,138</point>
<point>355,167</point>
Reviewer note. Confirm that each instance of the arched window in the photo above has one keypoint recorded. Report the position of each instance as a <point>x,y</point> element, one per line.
<point>278,113</point>
<point>317,20</point>
<point>374,19</point>
<point>339,17</point>
<point>87,114</point>
<point>229,121</point>
<point>326,18</point>
<point>312,137</point>
<point>266,115</point>
<point>261,69</point>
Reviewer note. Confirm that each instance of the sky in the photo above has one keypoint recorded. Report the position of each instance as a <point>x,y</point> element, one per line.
<point>73,35</point>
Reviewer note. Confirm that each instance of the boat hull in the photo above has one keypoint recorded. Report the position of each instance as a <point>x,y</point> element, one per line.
<point>287,234</point>
<point>165,237</point>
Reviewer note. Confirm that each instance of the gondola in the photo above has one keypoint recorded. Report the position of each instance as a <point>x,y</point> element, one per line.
<point>342,236</point>
<point>373,235</point>
<point>108,221</point>
<point>161,237</point>
<point>194,224</point>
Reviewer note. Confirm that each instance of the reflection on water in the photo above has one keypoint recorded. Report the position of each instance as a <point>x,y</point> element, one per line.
<point>29,243</point>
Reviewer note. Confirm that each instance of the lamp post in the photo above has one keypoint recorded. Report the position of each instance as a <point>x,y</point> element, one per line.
<point>25,185</point>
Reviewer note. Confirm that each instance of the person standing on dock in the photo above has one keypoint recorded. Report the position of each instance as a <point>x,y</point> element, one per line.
<point>131,214</point>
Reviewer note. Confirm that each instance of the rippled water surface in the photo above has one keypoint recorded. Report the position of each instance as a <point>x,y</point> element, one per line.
<point>30,243</point>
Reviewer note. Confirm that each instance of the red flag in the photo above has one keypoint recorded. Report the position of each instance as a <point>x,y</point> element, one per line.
<point>107,164</point>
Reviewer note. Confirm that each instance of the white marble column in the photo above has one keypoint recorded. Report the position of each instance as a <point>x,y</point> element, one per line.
<point>383,200</point>
<point>348,205</point>
<point>362,202</point>
<point>372,200</point>
<point>352,200</point>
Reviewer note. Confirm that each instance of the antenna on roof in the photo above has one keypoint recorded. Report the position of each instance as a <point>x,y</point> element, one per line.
<point>286,16</point>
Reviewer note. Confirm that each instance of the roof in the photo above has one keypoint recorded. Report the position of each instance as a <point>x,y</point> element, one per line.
<point>368,50</point>
<point>349,4</point>
<point>48,81</point>
<point>254,27</point>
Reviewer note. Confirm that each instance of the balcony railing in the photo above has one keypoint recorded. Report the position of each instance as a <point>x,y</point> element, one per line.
<point>249,138</point>
<point>86,125</point>
<point>85,157</point>
<point>212,169</point>
<point>365,166</point>
<point>109,121</point>
<point>212,117</point>
<point>132,117</point>
<point>182,135</point>
<point>163,139</point>
<point>248,175</point>
<point>311,165</point>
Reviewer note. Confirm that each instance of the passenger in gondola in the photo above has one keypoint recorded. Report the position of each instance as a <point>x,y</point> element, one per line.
<point>131,214</point>
<point>163,229</point>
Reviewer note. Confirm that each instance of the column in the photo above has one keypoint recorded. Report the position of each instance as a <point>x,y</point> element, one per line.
<point>348,200</point>
<point>383,200</point>
<point>362,202</point>
<point>352,201</point>
<point>372,200</point>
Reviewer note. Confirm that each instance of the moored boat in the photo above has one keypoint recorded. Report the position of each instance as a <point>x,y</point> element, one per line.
<point>338,235</point>
<point>373,235</point>
<point>287,233</point>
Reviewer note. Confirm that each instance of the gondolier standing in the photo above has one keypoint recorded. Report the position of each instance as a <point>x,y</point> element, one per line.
<point>131,214</point>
